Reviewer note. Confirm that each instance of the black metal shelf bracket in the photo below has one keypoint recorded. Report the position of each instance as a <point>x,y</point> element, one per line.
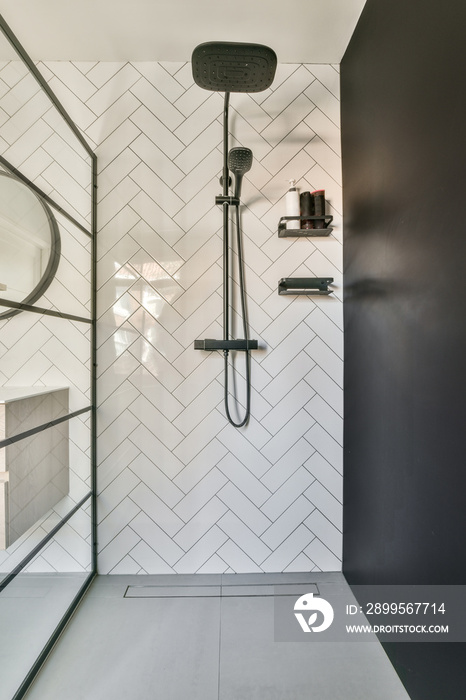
<point>305,285</point>
<point>324,229</point>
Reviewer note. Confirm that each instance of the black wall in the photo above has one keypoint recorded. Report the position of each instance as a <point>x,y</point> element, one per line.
<point>403,81</point>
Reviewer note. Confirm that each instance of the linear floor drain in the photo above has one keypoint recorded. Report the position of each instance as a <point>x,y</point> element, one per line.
<point>224,591</point>
<point>173,592</point>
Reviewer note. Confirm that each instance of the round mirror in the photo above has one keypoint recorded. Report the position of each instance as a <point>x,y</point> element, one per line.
<point>29,243</point>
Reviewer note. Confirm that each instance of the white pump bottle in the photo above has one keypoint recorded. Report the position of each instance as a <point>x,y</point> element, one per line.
<point>292,205</point>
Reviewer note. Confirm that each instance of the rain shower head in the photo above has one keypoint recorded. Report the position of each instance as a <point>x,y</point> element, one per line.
<point>239,162</point>
<point>233,67</point>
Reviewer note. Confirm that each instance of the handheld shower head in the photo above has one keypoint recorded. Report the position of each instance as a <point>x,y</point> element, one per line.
<point>239,162</point>
<point>225,66</point>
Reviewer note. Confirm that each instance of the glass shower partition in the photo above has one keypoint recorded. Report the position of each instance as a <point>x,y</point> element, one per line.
<point>48,176</point>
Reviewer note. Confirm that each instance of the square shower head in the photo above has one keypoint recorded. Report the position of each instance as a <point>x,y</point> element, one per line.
<point>233,67</point>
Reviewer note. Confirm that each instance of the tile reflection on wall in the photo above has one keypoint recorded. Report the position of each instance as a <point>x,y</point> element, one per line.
<point>180,489</point>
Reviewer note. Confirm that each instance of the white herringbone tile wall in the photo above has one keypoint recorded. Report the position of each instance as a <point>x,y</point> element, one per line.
<point>179,489</point>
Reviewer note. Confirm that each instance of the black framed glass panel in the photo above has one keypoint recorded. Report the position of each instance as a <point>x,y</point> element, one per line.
<point>33,604</point>
<point>47,352</point>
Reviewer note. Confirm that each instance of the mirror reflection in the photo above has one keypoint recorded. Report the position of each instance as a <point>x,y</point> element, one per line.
<point>29,243</point>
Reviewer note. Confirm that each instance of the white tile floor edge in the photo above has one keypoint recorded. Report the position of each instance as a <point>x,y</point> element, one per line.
<point>205,647</point>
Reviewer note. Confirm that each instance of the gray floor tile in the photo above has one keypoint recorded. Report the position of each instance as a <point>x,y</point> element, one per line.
<point>255,667</point>
<point>209,648</point>
<point>122,649</point>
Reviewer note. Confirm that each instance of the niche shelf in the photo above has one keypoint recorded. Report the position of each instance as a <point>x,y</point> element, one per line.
<point>305,285</point>
<point>284,232</point>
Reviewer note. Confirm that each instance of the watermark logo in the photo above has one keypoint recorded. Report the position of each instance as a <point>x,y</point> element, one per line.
<point>307,603</point>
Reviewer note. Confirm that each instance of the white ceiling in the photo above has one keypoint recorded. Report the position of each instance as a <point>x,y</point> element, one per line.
<point>300,31</point>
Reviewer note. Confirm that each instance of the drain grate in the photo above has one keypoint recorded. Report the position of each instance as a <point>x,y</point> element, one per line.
<point>223,591</point>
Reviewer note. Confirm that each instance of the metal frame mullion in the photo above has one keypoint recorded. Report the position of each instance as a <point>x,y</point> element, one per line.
<point>93,368</point>
<point>44,426</point>
<point>44,312</point>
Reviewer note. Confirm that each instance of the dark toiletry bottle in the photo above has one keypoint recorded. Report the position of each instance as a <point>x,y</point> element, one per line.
<point>306,203</point>
<point>319,207</point>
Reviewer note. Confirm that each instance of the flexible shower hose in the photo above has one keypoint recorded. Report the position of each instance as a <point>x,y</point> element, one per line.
<point>245,330</point>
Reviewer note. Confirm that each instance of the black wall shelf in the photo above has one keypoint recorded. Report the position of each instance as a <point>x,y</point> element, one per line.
<point>304,285</point>
<point>284,232</point>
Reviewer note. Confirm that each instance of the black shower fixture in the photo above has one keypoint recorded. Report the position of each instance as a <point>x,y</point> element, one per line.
<point>239,163</point>
<point>233,67</point>
<point>224,66</point>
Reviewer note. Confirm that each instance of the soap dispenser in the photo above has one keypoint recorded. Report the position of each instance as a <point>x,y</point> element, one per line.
<point>292,206</point>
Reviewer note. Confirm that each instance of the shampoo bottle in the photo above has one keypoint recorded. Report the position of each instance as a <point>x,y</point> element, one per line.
<point>292,205</point>
<point>319,207</point>
<point>307,209</point>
